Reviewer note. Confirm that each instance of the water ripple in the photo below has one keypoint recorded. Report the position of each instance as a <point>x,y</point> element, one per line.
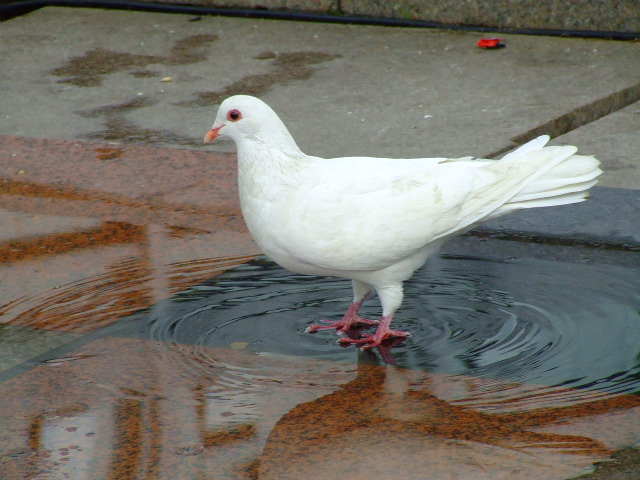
<point>539,332</point>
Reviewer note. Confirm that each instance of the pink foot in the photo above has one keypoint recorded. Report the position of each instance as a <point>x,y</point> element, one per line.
<point>350,320</point>
<point>383,333</point>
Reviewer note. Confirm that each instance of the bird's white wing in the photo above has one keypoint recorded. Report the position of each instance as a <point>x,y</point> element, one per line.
<point>366,214</point>
<point>374,215</point>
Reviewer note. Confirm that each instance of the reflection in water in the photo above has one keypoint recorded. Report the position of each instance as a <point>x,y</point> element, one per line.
<point>97,301</point>
<point>559,326</point>
<point>511,372</point>
<point>226,383</point>
<point>517,369</point>
<point>70,437</point>
<point>155,422</point>
<point>388,423</point>
<point>89,227</point>
<point>86,304</point>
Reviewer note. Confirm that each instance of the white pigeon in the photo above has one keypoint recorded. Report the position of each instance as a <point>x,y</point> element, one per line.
<point>377,220</point>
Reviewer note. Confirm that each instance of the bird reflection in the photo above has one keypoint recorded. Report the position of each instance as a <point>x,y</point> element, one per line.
<point>384,349</point>
<point>388,422</point>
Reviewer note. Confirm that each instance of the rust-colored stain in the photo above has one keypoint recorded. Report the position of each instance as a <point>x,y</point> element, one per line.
<point>228,435</point>
<point>108,153</point>
<point>128,451</point>
<point>110,233</point>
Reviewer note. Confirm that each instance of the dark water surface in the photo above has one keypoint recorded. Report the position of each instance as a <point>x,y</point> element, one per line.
<point>551,324</point>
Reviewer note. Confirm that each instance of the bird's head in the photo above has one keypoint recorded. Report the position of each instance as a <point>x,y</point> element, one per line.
<point>244,117</point>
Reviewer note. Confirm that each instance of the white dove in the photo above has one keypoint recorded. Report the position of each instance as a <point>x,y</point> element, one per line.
<point>376,221</point>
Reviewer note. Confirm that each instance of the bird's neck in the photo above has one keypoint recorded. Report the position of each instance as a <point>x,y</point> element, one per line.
<point>268,168</point>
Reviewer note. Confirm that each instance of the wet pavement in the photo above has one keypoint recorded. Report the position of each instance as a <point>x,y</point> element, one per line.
<point>143,336</point>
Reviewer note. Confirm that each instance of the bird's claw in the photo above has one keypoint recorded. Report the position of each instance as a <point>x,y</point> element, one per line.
<point>376,339</point>
<point>341,326</point>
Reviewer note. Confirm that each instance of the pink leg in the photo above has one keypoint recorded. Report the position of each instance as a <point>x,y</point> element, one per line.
<point>350,320</point>
<point>383,333</point>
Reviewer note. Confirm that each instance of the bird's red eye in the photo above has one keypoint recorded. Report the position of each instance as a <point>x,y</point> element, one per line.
<point>234,115</point>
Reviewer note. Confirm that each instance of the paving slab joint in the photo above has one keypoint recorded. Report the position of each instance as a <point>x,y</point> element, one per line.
<point>580,116</point>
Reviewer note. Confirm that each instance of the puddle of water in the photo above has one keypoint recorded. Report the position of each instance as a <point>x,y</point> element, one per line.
<point>19,344</point>
<point>528,321</point>
<point>517,369</point>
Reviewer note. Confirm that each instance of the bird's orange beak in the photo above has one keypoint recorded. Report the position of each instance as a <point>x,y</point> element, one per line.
<point>213,133</point>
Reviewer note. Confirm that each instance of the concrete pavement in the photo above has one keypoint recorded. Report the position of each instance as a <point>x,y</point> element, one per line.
<point>89,96</point>
<point>157,79</point>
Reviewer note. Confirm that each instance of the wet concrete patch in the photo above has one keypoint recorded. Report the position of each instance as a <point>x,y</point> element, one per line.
<point>118,128</point>
<point>117,109</point>
<point>289,66</point>
<point>190,49</point>
<point>89,70</point>
<point>144,73</point>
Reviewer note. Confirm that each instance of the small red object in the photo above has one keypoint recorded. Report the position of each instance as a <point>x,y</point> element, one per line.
<point>491,43</point>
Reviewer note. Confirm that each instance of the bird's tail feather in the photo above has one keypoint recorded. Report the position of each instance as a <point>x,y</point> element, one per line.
<point>567,182</point>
